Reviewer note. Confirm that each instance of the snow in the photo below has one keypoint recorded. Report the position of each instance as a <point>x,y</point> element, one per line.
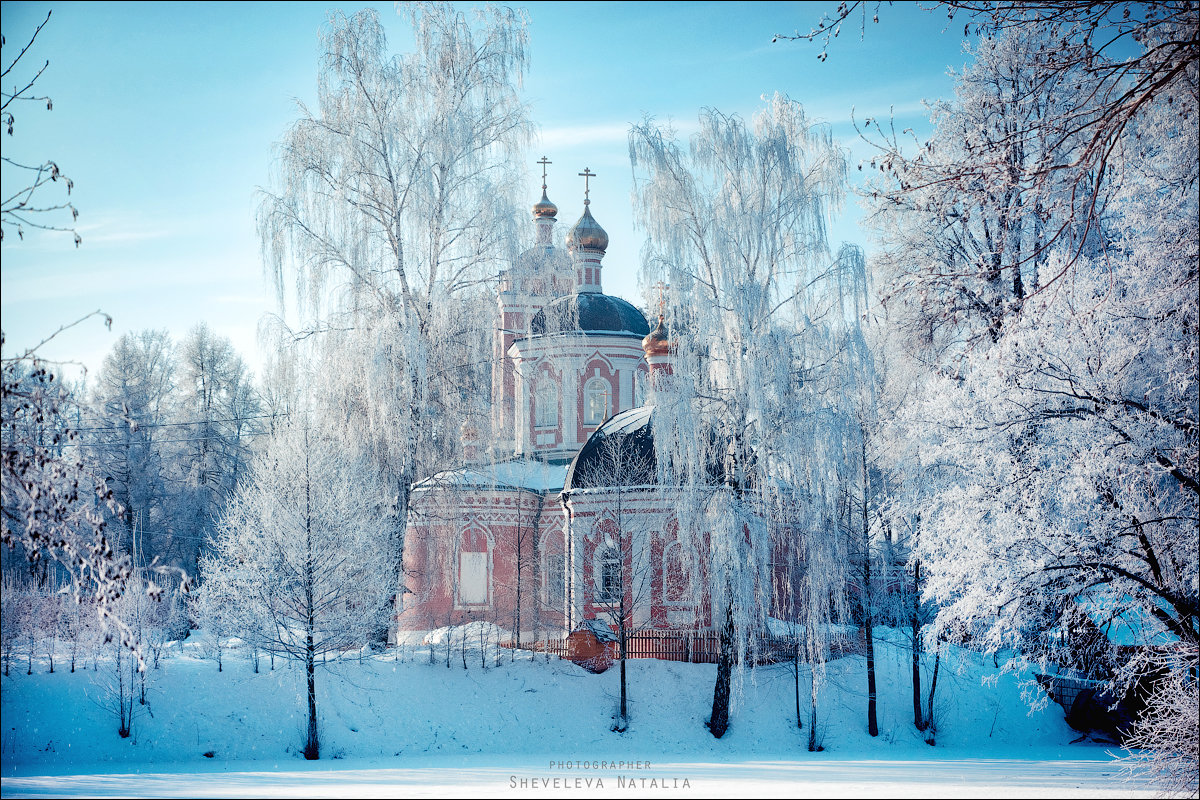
<point>629,420</point>
<point>407,726</point>
<point>517,473</point>
<point>473,632</point>
<point>524,777</point>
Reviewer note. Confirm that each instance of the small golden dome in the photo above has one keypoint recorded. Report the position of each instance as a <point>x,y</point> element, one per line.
<point>544,208</point>
<point>587,233</point>
<point>656,342</point>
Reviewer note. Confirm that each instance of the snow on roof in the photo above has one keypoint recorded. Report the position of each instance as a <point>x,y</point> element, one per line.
<point>517,473</point>
<point>628,420</point>
<point>630,431</point>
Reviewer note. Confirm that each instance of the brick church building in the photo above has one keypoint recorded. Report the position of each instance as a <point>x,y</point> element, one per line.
<point>552,533</point>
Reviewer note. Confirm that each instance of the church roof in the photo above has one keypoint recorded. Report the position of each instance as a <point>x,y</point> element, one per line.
<point>589,312</point>
<point>587,233</point>
<point>518,473</point>
<point>619,453</point>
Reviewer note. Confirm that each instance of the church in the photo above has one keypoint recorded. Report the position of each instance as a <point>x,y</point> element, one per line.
<point>561,529</point>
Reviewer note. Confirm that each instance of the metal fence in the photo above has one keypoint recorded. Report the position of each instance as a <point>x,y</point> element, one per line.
<point>696,647</point>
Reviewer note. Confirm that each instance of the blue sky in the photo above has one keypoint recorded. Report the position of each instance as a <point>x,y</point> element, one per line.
<point>165,116</point>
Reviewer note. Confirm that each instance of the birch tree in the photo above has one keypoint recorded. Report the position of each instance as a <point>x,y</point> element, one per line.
<point>391,209</point>
<point>736,229</point>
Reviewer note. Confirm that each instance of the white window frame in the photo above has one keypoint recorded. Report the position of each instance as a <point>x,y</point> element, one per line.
<point>545,404</point>
<point>596,388</point>
<point>603,561</point>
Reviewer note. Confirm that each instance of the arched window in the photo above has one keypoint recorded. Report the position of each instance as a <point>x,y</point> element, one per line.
<point>674,575</point>
<point>555,577</point>
<point>597,401</point>
<point>608,578</point>
<point>473,576</point>
<point>545,404</point>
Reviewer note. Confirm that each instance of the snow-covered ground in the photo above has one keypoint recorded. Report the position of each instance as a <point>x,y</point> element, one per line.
<point>533,727</point>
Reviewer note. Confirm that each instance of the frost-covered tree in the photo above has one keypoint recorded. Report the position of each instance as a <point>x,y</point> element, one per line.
<point>908,477</point>
<point>1166,736</point>
<point>968,221</point>
<point>132,402</point>
<point>621,471</point>
<point>1041,157</point>
<point>54,508</point>
<point>390,212</point>
<point>1060,491</point>
<point>217,408</point>
<point>736,229</point>
<point>300,566</point>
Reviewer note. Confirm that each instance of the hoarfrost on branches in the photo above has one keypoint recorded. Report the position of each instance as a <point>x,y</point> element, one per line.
<point>301,566</point>
<point>391,216</point>
<point>745,428</point>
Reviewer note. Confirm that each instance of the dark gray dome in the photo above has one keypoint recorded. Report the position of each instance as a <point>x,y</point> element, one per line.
<point>620,452</point>
<point>589,312</point>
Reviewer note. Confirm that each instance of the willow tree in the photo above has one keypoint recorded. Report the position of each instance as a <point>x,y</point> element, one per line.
<point>735,225</point>
<point>389,213</point>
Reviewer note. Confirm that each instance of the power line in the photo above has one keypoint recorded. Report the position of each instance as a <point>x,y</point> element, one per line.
<point>181,424</point>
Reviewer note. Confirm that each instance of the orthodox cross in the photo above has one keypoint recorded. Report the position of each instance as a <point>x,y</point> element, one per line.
<point>586,174</point>
<point>544,161</point>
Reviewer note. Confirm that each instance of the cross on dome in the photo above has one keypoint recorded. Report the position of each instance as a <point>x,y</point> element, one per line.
<point>586,175</point>
<point>544,209</point>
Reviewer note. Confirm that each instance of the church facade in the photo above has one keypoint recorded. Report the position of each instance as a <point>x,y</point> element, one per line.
<point>552,528</point>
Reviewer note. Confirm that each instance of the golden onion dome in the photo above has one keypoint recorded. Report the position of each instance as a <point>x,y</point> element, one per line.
<point>544,208</point>
<point>587,233</point>
<point>656,342</point>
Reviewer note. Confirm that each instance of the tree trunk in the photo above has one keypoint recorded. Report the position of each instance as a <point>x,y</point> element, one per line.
<point>915,621</point>
<point>622,720</point>
<point>124,700</point>
<point>312,745</point>
<point>930,728</point>
<point>719,721</point>
<point>623,632</point>
<point>872,717</point>
<point>796,675</point>
<point>814,746</point>
<point>868,598</point>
